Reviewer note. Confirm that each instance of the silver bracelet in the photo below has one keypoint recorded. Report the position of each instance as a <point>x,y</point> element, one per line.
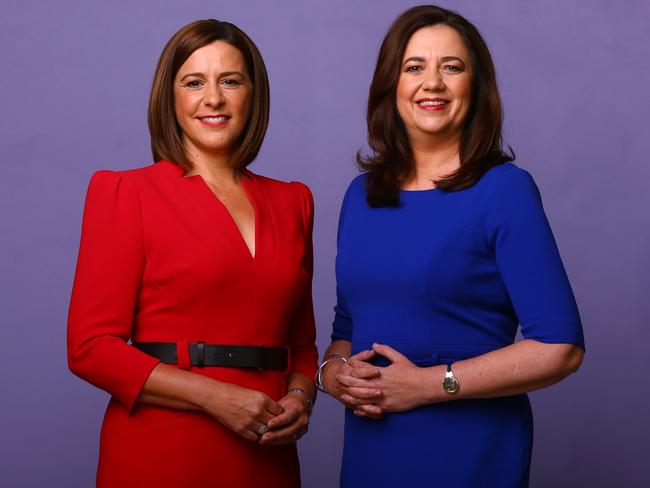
<point>319,380</point>
<point>310,402</point>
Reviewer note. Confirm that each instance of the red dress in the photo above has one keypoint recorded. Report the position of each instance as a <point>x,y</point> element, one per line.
<point>162,260</point>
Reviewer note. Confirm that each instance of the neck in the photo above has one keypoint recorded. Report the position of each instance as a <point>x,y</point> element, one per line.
<point>215,167</point>
<point>432,160</point>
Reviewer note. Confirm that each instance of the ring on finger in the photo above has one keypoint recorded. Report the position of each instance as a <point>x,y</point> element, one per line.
<point>262,429</point>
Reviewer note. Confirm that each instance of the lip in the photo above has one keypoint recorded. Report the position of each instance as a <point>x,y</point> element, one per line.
<point>442,104</point>
<point>214,120</point>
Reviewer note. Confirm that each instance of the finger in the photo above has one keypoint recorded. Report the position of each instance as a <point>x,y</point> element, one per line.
<point>259,429</point>
<point>359,412</point>
<point>363,370</point>
<point>294,406</point>
<point>388,352</point>
<point>290,438</point>
<point>249,435</point>
<point>257,416</point>
<point>363,355</point>
<point>285,435</point>
<point>274,408</point>
<point>371,410</point>
<point>264,417</point>
<point>276,442</point>
<point>348,381</point>
<point>364,393</point>
<point>358,363</point>
<point>288,417</point>
<point>353,402</point>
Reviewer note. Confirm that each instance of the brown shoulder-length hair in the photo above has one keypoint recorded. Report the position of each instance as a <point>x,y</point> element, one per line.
<point>166,134</point>
<point>391,161</point>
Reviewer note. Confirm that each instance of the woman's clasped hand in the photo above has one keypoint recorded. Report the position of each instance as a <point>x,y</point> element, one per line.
<point>372,390</point>
<point>255,416</point>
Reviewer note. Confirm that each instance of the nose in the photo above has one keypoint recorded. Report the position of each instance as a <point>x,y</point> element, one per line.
<point>433,80</point>
<point>212,96</point>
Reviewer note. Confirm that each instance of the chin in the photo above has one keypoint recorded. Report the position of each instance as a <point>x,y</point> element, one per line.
<point>433,130</point>
<point>220,145</point>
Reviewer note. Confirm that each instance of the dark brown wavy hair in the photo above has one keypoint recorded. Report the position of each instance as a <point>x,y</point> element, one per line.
<point>391,161</point>
<point>166,134</point>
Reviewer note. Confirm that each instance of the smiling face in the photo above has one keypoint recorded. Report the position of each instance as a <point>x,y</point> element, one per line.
<point>434,88</point>
<point>212,93</point>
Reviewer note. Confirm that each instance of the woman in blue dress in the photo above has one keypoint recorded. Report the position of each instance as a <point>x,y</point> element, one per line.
<point>444,250</point>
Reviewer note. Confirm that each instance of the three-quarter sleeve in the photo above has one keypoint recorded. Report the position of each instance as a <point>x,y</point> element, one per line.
<point>530,265</point>
<point>302,331</point>
<point>342,324</point>
<point>108,275</point>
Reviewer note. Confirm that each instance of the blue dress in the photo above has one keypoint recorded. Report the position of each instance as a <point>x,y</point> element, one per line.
<point>443,277</point>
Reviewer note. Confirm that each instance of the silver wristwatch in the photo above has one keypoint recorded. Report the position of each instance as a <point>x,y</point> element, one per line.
<point>450,384</point>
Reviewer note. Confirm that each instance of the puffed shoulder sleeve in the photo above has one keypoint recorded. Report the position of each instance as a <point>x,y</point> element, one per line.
<point>530,265</point>
<point>106,283</point>
<point>342,325</point>
<point>302,332</point>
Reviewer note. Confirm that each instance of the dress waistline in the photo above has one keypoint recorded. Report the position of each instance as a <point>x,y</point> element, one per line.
<point>427,354</point>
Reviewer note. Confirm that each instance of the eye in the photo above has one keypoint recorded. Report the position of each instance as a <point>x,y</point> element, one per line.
<point>194,84</point>
<point>413,68</point>
<point>231,82</point>
<point>452,68</point>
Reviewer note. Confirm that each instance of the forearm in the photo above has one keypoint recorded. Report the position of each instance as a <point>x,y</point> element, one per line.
<point>525,366</point>
<point>171,387</point>
<point>299,380</point>
<point>240,409</point>
<point>328,372</point>
<point>343,348</point>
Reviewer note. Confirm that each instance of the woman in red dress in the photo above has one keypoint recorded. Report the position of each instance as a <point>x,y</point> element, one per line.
<point>206,268</point>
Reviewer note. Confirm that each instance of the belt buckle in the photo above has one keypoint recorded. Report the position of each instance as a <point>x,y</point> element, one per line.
<point>200,354</point>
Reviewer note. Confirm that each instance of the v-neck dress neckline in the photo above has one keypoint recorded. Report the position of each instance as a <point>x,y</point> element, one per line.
<point>212,201</point>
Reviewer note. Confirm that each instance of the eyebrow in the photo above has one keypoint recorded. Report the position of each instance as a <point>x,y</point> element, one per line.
<point>202,75</point>
<point>420,59</point>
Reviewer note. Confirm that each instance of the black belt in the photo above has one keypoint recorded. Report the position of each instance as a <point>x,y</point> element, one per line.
<point>202,354</point>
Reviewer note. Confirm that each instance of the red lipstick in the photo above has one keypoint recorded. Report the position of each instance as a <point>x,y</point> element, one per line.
<point>214,120</point>
<point>432,104</point>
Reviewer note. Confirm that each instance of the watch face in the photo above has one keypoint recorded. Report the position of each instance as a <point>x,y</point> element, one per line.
<point>450,385</point>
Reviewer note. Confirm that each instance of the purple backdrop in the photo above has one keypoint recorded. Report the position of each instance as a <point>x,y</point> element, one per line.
<point>574,78</point>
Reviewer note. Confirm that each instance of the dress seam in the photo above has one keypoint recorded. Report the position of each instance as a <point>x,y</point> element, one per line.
<point>143,246</point>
